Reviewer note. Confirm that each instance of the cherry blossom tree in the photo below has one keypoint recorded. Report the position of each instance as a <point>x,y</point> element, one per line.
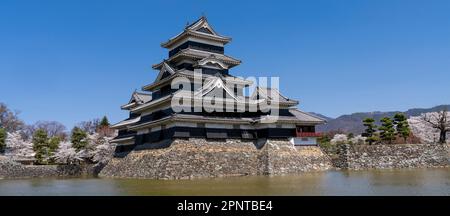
<point>339,139</point>
<point>17,147</point>
<point>104,151</point>
<point>66,154</point>
<point>99,149</point>
<point>344,139</point>
<point>440,121</point>
<point>424,131</point>
<point>358,140</point>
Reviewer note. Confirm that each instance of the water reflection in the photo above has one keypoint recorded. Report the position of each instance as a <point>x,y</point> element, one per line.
<point>374,182</point>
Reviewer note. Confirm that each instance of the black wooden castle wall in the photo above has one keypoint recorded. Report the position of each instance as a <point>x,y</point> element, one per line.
<point>197,46</point>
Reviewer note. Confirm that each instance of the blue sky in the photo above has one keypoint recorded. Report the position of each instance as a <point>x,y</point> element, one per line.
<point>71,61</point>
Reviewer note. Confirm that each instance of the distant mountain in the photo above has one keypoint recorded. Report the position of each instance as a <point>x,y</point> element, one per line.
<point>353,123</point>
<point>322,116</point>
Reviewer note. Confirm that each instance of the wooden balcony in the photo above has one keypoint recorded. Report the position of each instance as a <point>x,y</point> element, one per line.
<point>308,134</point>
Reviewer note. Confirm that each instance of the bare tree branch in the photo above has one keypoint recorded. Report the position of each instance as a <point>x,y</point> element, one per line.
<point>9,119</point>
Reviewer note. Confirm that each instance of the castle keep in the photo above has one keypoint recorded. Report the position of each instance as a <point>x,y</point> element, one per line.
<point>195,96</point>
<point>197,120</point>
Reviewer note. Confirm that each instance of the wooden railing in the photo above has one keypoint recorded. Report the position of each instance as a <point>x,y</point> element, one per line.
<point>308,134</point>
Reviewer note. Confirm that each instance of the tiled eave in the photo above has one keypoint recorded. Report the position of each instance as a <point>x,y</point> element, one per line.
<point>152,103</point>
<point>125,123</point>
<point>284,119</point>
<point>124,141</point>
<point>199,55</point>
<point>128,106</point>
<point>167,80</point>
<point>219,120</point>
<point>191,118</point>
<point>198,100</point>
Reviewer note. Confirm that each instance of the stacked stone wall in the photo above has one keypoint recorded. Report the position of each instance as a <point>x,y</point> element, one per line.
<point>357,157</point>
<point>197,158</point>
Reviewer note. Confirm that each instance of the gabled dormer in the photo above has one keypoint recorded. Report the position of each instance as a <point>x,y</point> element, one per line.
<point>137,98</point>
<point>273,95</point>
<point>214,85</point>
<point>165,71</point>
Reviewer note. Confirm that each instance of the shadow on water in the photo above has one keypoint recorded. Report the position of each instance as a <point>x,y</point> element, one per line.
<point>372,182</point>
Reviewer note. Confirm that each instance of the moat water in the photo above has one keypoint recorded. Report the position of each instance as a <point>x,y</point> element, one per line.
<point>434,181</point>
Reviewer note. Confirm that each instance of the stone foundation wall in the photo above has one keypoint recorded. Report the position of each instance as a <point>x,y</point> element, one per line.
<point>284,158</point>
<point>359,157</point>
<point>11,169</point>
<point>196,158</point>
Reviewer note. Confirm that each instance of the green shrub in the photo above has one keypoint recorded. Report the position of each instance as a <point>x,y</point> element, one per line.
<point>3,135</point>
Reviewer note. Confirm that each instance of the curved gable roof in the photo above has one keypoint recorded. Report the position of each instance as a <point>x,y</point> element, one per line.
<point>165,68</point>
<point>201,29</point>
<point>202,25</point>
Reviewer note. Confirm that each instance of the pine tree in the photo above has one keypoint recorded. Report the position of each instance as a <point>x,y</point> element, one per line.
<point>402,126</point>
<point>40,146</point>
<point>79,139</point>
<point>351,136</point>
<point>387,130</point>
<point>370,131</point>
<point>104,122</point>
<point>2,140</point>
<point>53,145</point>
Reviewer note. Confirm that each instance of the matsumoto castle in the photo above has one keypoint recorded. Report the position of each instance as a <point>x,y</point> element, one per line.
<point>183,102</point>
